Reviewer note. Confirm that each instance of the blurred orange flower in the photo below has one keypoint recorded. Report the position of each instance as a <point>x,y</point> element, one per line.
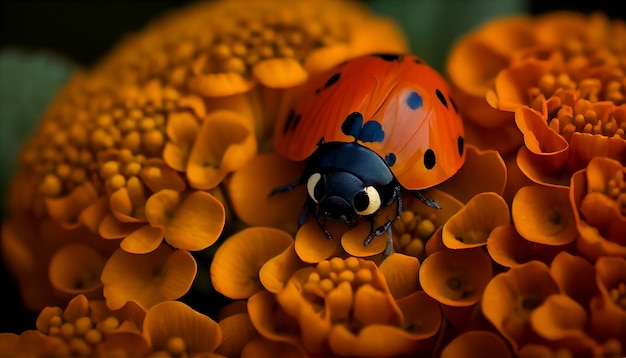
<point>598,196</point>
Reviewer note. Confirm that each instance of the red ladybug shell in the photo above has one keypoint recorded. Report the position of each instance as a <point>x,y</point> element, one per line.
<point>410,100</point>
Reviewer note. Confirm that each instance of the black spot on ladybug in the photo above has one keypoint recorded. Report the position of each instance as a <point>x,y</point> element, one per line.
<point>289,121</point>
<point>388,57</point>
<point>414,100</point>
<point>418,61</point>
<point>429,159</point>
<point>331,81</point>
<point>441,97</point>
<point>371,131</point>
<point>460,143</point>
<point>390,159</point>
<point>352,124</point>
<point>454,104</point>
<point>296,121</point>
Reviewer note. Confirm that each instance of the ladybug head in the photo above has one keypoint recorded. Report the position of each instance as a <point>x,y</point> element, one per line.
<point>342,196</point>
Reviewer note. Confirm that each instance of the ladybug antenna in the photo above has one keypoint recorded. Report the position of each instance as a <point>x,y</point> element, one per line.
<point>353,126</point>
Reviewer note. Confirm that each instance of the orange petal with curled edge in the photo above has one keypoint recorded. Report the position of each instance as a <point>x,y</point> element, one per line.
<point>75,269</point>
<point>191,223</point>
<point>224,143</point>
<point>182,128</point>
<point>544,215</point>
<point>280,73</point>
<point>237,263</point>
<point>473,224</point>
<point>143,240</point>
<point>66,210</point>
<point>249,191</point>
<point>277,270</point>
<point>401,273</point>
<point>477,344</point>
<point>483,171</point>
<point>312,245</point>
<point>456,277</point>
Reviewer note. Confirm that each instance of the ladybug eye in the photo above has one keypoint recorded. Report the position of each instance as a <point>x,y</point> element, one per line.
<point>311,185</point>
<point>367,202</point>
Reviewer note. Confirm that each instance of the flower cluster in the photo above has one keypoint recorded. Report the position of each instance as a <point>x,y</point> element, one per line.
<point>158,162</point>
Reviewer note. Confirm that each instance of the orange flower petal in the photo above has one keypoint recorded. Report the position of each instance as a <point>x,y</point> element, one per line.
<point>143,240</point>
<point>401,273</point>
<point>94,213</point>
<point>111,228</point>
<point>193,223</point>
<point>173,319</point>
<point>540,139</point>
<point>510,297</point>
<point>456,277</point>
<point>218,84</point>
<point>575,276</point>
<point>265,348</point>
<point>157,175</point>
<point>277,270</point>
<point>585,147</point>
<point>472,225</point>
<point>237,331</point>
<point>508,248</point>
<point>250,186</point>
<point>352,240</point>
<point>472,65</point>
<point>544,215</point>
<point>181,130</point>
<point>271,321</point>
<point>311,243</point>
<point>477,344</point>
<point>66,210</point>
<point>237,262</point>
<point>532,166</point>
<point>561,318</point>
<point>161,275</point>
<point>75,268</point>
<point>513,82</point>
<point>422,315</point>
<point>126,344</point>
<point>483,171</point>
<point>371,340</point>
<point>280,73</point>
<point>224,143</point>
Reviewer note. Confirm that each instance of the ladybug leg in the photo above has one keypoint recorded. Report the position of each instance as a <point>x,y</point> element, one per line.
<point>430,202</point>
<point>386,226</point>
<point>286,187</point>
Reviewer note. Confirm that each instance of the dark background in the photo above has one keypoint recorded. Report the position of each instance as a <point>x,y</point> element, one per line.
<point>85,30</point>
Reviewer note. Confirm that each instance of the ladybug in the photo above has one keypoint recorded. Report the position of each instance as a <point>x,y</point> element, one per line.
<point>369,129</point>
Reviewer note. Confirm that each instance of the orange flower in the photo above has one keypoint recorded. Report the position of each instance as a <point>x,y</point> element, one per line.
<point>161,275</point>
<point>510,298</point>
<point>560,75</point>
<point>344,307</point>
<point>174,329</point>
<point>85,328</point>
<point>608,310</point>
<point>597,194</point>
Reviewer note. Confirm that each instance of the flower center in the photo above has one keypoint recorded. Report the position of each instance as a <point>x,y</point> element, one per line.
<point>80,336</point>
<point>616,190</point>
<point>410,233</point>
<point>333,283</point>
